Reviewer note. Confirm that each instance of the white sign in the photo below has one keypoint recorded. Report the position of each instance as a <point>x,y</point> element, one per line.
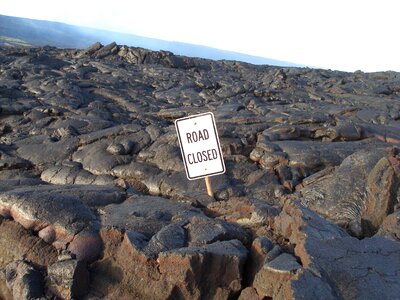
<point>200,147</point>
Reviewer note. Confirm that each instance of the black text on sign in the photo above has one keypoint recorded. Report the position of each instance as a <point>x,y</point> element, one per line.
<point>200,147</point>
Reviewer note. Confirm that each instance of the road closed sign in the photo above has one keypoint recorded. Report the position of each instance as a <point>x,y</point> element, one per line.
<point>200,147</point>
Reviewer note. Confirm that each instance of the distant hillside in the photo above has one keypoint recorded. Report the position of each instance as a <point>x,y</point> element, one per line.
<point>25,32</point>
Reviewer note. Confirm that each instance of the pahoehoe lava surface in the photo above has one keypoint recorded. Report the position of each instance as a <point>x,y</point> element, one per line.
<point>95,204</point>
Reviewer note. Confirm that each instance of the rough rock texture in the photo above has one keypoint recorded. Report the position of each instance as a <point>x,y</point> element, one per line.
<point>358,194</point>
<point>61,215</point>
<point>17,243</point>
<point>334,264</point>
<point>94,201</point>
<point>68,278</point>
<point>166,267</point>
<point>23,281</point>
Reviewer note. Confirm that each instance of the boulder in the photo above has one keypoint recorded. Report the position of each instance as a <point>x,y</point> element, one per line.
<point>60,219</point>
<point>334,259</point>
<point>23,281</point>
<point>68,279</point>
<point>358,194</point>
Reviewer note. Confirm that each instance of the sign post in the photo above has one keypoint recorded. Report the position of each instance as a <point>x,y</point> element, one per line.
<point>200,147</point>
<point>208,186</point>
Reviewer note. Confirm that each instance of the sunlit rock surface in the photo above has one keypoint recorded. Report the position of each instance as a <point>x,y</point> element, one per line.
<point>94,201</point>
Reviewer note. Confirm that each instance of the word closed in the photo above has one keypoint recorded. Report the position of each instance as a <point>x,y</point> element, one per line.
<point>200,147</point>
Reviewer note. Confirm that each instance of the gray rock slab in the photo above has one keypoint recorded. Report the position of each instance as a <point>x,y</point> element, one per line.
<point>342,194</point>
<point>24,281</point>
<point>74,175</point>
<point>45,151</point>
<point>338,259</point>
<point>68,278</point>
<point>146,214</point>
<point>60,214</point>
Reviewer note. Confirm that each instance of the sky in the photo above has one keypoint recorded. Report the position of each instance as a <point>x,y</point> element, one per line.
<point>346,35</point>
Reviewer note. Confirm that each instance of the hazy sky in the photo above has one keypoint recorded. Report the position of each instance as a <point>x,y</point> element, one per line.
<point>345,35</point>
